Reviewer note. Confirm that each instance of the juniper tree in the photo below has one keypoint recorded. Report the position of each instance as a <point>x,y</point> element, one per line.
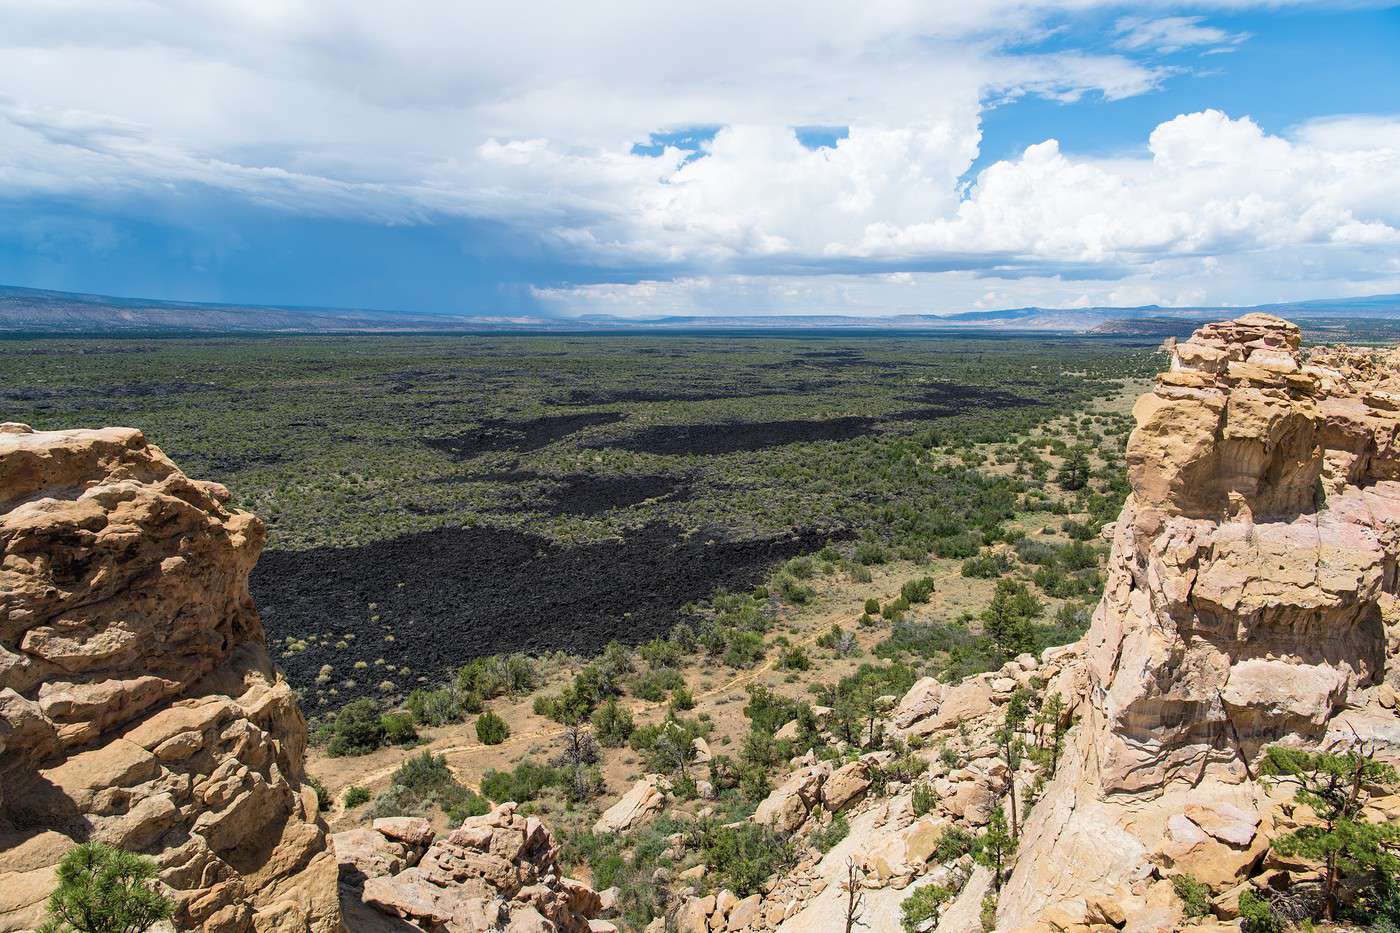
<point>922,908</point>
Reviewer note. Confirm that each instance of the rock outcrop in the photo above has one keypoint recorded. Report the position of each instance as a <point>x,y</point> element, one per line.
<point>138,705</point>
<point>494,872</point>
<point>1249,588</point>
<point>644,801</point>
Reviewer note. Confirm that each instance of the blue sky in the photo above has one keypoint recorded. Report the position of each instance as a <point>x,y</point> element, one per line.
<point>784,158</point>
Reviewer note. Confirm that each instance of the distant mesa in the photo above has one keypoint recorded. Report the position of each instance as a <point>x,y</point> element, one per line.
<point>31,311</point>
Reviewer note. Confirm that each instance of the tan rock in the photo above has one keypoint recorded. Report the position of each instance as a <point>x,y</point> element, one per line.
<point>787,807</point>
<point>745,914</point>
<point>694,913</point>
<point>134,674</point>
<point>412,831</point>
<point>369,853</point>
<point>845,786</point>
<point>971,699</point>
<point>918,704</point>
<point>1105,910</point>
<point>636,807</point>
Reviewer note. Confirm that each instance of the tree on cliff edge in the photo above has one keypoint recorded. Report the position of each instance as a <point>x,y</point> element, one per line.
<point>1336,786</point>
<point>105,890</point>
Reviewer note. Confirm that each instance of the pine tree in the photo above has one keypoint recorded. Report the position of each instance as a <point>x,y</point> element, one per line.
<point>105,890</point>
<point>995,847</point>
<point>1337,787</point>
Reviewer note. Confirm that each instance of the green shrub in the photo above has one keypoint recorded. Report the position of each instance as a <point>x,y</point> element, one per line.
<point>920,910</point>
<point>105,890</point>
<point>743,649</point>
<point>655,684</point>
<point>923,799</point>
<point>794,659</point>
<point>613,724</point>
<point>323,796</point>
<point>354,796</point>
<point>870,552</point>
<point>872,606</point>
<point>826,837</point>
<point>894,609</point>
<point>741,857</point>
<point>437,707</point>
<point>422,782</point>
<point>357,729</point>
<point>987,916</point>
<point>957,547</point>
<point>399,728</point>
<point>1194,895</point>
<point>799,594</point>
<point>917,591</point>
<point>682,699</point>
<point>491,729</point>
<point>800,568</point>
<point>526,782</point>
<point>1257,915</point>
<point>986,566</point>
<point>498,675</point>
<point>953,844</point>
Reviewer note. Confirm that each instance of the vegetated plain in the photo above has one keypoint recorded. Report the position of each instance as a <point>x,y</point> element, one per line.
<point>433,499</point>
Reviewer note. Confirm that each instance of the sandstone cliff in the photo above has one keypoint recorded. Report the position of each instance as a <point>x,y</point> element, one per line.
<point>1249,590</point>
<point>1249,600</point>
<point>138,706</point>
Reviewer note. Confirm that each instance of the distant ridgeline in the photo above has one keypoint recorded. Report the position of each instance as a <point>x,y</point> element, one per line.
<point>34,312</point>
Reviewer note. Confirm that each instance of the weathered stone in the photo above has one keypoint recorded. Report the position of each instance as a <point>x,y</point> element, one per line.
<point>744,914</point>
<point>845,786</point>
<point>787,807</point>
<point>134,674</point>
<point>1242,606</point>
<point>638,805</point>
<point>369,853</point>
<point>918,704</point>
<point>412,831</point>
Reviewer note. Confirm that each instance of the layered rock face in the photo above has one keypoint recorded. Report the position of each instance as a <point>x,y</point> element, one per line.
<point>1249,588</point>
<point>1244,603</point>
<point>138,705</point>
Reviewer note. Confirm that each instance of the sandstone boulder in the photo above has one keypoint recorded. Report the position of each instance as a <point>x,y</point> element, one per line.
<point>635,807</point>
<point>493,870</point>
<point>787,807</point>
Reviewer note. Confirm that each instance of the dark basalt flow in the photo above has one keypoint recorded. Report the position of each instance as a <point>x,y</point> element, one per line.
<point>729,437</point>
<point>449,595</point>
<point>579,397</point>
<point>943,394</point>
<point>497,434</point>
<point>591,494</point>
<point>950,399</point>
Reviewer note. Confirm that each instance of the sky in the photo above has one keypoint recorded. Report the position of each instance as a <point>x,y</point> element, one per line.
<point>644,159</point>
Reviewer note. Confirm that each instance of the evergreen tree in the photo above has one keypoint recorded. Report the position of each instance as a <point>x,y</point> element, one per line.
<point>1075,473</point>
<point>921,909</point>
<point>995,847</point>
<point>105,890</point>
<point>1337,787</point>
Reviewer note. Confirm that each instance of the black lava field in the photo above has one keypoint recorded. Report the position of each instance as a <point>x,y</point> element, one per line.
<point>444,497</point>
<point>497,434</point>
<point>729,437</point>
<point>450,595</point>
